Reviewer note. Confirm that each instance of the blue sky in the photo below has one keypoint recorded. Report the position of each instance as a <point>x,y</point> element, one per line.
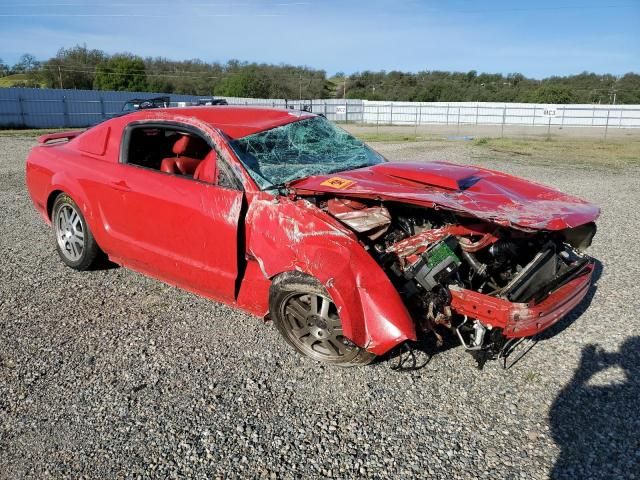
<point>536,38</point>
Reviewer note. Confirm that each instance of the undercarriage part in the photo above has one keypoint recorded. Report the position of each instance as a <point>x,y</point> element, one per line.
<point>514,349</point>
<point>410,358</point>
<point>477,337</point>
<point>481,342</point>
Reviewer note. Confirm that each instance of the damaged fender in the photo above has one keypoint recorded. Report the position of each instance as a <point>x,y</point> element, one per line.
<point>285,235</point>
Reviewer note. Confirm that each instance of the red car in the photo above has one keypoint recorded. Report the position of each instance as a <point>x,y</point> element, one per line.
<point>282,213</point>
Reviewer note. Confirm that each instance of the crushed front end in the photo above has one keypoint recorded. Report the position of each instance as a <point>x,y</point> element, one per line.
<point>487,284</point>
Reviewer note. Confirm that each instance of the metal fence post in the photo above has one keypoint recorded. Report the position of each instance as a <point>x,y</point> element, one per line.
<point>22,113</point>
<point>65,111</point>
<point>346,111</point>
<point>562,121</point>
<point>504,117</point>
<point>415,131</point>
<point>535,107</point>
<point>620,118</point>
<point>606,126</point>
<point>377,118</point>
<point>102,112</point>
<point>458,126</point>
<point>447,113</point>
<point>391,114</point>
<point>593,115</point>
<point>324,109</point>
<point>477,106</point>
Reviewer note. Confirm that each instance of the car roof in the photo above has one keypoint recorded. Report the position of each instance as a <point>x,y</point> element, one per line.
<point>233,121</point>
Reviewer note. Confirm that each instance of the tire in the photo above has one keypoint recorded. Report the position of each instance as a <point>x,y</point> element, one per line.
<point>307,318</point>
<point>74,241</point>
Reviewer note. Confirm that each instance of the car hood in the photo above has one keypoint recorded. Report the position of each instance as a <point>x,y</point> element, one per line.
<point>473,191</point>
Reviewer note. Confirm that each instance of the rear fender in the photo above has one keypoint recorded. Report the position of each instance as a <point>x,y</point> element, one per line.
<point>285,236</point>
<point>67,184</point>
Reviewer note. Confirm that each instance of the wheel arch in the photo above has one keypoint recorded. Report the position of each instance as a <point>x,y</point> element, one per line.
<point>372,312</point>
<point>62,183</point>
<point>287,236</point>
<point>51,199</point>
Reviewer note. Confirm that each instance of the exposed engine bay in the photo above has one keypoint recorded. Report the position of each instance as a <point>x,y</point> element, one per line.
<point>429,253</point>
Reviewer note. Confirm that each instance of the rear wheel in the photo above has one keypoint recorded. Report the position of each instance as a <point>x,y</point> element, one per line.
<point>307,318</point>
<point>75,243</point>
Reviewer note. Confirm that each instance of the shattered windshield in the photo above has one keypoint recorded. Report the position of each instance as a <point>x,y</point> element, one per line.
<point>313,146</point>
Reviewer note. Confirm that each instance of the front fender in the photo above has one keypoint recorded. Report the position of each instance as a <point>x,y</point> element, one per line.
<point>285,235</point>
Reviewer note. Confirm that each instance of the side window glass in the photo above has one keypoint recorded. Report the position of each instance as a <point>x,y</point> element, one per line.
<point>176,151</point>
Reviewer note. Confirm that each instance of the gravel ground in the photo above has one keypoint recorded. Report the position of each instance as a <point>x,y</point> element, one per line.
<point>109,374</point>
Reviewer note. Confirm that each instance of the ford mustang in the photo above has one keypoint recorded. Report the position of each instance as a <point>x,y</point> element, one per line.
<point>285,215</point>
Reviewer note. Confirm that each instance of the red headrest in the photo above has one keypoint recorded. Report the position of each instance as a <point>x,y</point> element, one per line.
<point>183,145</point>
<point>206,171</point>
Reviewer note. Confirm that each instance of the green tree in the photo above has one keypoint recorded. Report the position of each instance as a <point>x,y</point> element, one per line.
<point>27,63</point>
<point>72,68</point>
<point>245,83</point>
<point>4,69</point>
<point>121,72</point>
<point>553,94</point>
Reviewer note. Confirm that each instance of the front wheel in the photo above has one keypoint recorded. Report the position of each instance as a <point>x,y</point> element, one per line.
<point>75,243</point>
<point>307,318</point>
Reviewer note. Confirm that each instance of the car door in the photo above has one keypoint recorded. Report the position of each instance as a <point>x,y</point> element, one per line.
<point>173,227</point>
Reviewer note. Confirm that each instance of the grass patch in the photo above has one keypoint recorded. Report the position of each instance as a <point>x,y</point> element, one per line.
<point>393,137</point>
<point>32,132</point>
<point>17,78</point>
<point>387,137</point>
<point>618,152</point>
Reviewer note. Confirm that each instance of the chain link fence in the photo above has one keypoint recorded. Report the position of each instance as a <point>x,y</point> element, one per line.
<point>53,108</point>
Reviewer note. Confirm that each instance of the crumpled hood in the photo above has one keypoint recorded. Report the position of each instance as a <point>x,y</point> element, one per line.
<point>474,191</point>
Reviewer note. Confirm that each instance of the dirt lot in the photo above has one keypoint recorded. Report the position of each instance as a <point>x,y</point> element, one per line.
<point>108,374</point>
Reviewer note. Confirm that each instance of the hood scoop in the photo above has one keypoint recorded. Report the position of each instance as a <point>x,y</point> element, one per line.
<point>434,174</point>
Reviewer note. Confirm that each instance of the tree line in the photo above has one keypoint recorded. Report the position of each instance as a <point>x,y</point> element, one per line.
<point>83,68</point>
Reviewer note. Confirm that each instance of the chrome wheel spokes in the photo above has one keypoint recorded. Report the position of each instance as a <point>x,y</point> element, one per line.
<point>70,233</point>
<point>315,326</point>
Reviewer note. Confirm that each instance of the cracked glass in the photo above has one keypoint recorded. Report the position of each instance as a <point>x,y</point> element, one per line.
<point>313,146</point>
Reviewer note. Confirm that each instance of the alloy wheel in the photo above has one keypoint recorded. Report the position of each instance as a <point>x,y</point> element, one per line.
<point>314,325</point>
<point>70,232</point>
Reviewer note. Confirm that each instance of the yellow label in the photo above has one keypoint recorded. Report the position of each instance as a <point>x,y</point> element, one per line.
<point>338,183</point>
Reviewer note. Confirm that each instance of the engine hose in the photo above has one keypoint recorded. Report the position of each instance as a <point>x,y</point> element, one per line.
<point>478,267</point>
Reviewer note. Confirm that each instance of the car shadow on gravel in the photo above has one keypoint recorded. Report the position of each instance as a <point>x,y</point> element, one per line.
<point>594,420</point>
<point>102,262</point>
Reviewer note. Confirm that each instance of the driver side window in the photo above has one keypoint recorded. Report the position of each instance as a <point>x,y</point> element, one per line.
<point>175,151</point>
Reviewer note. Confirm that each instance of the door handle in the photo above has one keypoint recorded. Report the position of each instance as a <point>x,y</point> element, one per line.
<point>121,185</point>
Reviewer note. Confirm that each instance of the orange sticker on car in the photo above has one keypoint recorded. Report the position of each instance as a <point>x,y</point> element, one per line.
<point>338,183</point>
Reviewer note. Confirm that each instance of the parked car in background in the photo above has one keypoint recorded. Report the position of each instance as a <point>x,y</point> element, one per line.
<point>144,103</point>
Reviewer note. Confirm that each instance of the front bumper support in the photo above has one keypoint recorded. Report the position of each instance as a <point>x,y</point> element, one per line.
<point>523,319</point>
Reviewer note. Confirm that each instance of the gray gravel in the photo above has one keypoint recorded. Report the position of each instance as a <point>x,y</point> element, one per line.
<point>109,374</point>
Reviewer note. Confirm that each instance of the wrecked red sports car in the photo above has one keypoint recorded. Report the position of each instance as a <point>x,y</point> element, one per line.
<point>282,213</point>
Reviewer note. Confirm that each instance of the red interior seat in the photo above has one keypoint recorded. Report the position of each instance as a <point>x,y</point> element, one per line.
<point>206,171</point>
<point>182,163</point>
